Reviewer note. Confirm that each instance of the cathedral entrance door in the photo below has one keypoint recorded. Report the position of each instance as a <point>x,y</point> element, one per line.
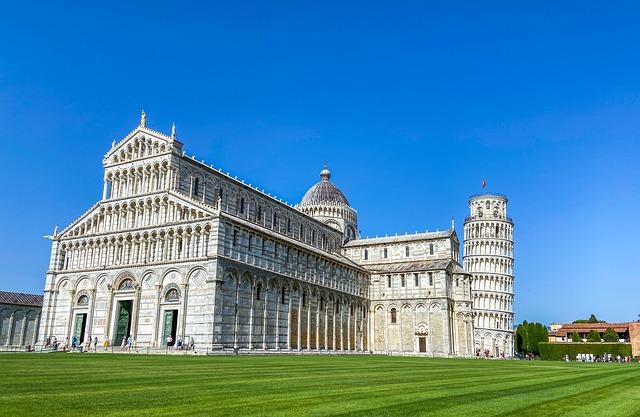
<point>422,344</point>
<point>170,327</point>
<point>123,321</point>
<point>81,324</point>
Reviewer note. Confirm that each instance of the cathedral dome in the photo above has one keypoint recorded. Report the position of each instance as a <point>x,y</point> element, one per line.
<point>324,192</point>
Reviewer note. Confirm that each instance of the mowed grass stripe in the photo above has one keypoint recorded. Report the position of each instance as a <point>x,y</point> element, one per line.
<point>302,385</point>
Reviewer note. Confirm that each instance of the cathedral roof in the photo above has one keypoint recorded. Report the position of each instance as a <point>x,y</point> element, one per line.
<point>400,238</point>
<point>18,298</point>
<point>324,192</point>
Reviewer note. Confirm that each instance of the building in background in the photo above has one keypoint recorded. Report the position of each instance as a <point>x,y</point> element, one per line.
<point>19,319</point>
<point>178,250</point>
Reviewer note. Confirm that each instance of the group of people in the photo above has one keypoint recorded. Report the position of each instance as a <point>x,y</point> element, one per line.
<point>126,343</point>
<point>87,345</point>
<point>487,354</point>
<point>179,343</point>
<point>607,357</point>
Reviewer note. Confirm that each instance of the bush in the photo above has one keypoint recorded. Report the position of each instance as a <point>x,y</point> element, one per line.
<point>611,336</point>
<point>575,337</point>
<point>593,337</point>
<point>557,351</point>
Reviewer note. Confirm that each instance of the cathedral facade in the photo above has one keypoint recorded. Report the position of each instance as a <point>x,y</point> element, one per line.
<point>177,249</point>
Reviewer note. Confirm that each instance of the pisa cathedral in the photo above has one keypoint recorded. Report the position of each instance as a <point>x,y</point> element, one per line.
<point>178,249</point>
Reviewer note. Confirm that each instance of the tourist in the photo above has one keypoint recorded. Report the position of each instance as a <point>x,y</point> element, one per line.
<point>169,340</point>
<point>95,344</point>
<point>74,342</point>
<point>124,343</point>
<point>129,343</point>
<point>192,344</point>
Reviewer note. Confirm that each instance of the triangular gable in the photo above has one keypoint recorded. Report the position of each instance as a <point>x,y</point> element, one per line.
<point>75,228</point>
<point>139,140</point>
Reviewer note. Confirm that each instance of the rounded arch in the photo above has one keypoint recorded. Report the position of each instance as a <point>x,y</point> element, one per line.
<point>171,275</point>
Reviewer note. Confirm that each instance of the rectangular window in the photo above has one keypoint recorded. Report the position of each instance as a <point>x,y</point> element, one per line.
<point>275,251</point>
<point>264,246</point>
<point>388,281</point>
<point>250,242</point>
<point>430,248</point>
<point>385,253</point>
<point>416,280</point>
<point>430,278</point>
<point>242,205</point>
<point>259,213</point>
<point>274,224</point>
<point>302,233</point>
<point>108,192</point>
<point>366,254</point>
<point>283,296</point>
<point>406,251</point>
<point>288,225</point>
<point>402,280</point>
<point>235,237</point>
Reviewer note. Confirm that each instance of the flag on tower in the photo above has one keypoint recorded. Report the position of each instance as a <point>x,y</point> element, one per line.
<point>484,183</point>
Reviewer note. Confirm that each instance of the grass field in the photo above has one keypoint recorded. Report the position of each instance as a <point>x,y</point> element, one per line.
<point>131,385</point>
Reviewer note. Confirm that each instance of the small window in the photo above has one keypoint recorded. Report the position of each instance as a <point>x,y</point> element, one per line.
<point>260,213</point>
<point>235,237</point>
<point>457,282</point>
<point>385,253</point>
<point>283,295</point>
<point>288,225</point>
<point>196,186</point>
<point>258,289</point>
<point>388,281</point>
<point>304,299</point>
<point>416,280</point>
<point>264,246</point>
<point>430,248</point>
<point>241,205</point>
<point>406,251</point>
<point>250,242</point>
<point>220,193</point>
<point>108,193</point>
<point>430,278</point>
<point>393,315</point>
<point>402,280</point>
<point>366,254</point>
<point>275,250</point>
<point>275,221</point>
<point>302,233</point>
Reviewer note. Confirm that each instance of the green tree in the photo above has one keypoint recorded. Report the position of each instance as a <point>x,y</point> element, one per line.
<point>529,335</point>
<point>593,337</point>
<point>575,337</point>
<point>611,336</point>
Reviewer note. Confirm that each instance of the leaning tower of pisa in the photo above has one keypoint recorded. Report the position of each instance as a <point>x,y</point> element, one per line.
<point>488,256</point>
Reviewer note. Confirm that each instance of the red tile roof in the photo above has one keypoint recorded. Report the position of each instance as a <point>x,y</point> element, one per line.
<point>586,327</point>
<point>19,298</point>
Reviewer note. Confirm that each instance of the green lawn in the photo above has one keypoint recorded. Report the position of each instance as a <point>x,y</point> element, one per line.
<point>136,385</point>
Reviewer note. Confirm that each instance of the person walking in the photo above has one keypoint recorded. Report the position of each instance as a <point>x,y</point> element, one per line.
<point>95,344</point>
<point>123,344</point>
<point>129,343</point>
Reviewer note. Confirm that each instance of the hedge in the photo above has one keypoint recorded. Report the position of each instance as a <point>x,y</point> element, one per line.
<point>557,351</point>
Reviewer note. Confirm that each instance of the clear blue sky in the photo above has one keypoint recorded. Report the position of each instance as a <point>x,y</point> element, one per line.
<point>411,103</point>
